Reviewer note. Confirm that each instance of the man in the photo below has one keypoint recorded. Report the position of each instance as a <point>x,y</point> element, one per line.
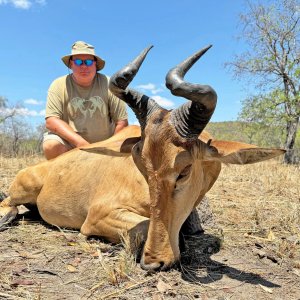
<point>80,108</point>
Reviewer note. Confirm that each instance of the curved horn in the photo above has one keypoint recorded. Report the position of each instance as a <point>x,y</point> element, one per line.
<point>191,118</point>
<point>142,105</point>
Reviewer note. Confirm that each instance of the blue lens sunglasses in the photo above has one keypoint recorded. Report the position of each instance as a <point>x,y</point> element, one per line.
<point>87,62</point>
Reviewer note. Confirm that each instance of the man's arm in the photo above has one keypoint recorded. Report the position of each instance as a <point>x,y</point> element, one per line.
<point>63,129</point>
<point>120,125</point>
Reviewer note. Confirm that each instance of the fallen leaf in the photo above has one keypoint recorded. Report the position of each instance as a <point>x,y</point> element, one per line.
<point>228,290</point>
<point>22,282</point>
<point>44,272</point>
<point>96,254</point>
<point>296,271</point>
<point>266,289</point>
<point>71,268</point>
<point>156,297</point>
<point>162,286</point>
<point>19,270</point>
<point>259,253</point>
<point>72,244</point>
<point>76,262</point>
<point>271,236</point>
<point>28,255</point>
<point>85,246</point>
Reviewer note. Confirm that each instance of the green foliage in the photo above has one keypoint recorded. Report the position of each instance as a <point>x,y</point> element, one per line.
<point>229,131</point>
<point>250,132</point>
<point>11,147</point>
<point>266,110</point>
<point>272,32</point>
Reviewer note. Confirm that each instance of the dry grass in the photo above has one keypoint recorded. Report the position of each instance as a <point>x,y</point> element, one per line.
<point>263,201</point>
<point>10,166</point>
<point>251,251</point>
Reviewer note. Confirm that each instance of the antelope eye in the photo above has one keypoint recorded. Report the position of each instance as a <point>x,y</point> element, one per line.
<point>184,172</point>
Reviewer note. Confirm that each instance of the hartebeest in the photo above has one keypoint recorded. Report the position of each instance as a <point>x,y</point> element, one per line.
<point>143,180</point>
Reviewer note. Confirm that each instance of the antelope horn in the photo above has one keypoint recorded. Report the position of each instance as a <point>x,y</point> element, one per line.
<point>142,105</point>
<point>190,119</point>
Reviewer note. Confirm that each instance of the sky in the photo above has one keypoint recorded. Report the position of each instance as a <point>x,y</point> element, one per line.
<point>35,34</point>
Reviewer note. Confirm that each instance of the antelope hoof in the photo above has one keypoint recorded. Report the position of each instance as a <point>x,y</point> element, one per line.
<point>7,215</point>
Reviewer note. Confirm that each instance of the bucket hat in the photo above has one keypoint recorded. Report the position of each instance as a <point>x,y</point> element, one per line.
<point>81,47</point>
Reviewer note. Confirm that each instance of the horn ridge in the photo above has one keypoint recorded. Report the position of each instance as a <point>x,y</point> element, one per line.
<point>190,119</point>
<point>189,125</point>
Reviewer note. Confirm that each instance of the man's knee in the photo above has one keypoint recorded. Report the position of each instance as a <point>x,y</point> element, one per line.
<point>53,148</point>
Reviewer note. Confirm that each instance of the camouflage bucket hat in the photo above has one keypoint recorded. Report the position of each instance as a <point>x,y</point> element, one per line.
<point>81,47</point>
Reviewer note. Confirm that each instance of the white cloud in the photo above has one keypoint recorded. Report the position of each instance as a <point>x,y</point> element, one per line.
<point>42,112</point>
<point>33,102</point>
<point>164,102</point>
<point>41,2</point>
<point>26,112</point>
<point>21,111</point>
<point>154,92</point>
<point>149,87</point>
<point>23,4</point>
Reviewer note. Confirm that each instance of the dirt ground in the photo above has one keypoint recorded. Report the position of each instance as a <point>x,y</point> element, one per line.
<point>250,248</point>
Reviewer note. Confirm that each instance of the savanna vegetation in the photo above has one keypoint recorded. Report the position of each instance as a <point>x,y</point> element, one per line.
<point>271,66</point>
<point>263,135</point>
<point>17,137</point>
<point>250,248</point>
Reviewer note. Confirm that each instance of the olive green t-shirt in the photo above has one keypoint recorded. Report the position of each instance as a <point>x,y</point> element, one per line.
<point>91,112</point>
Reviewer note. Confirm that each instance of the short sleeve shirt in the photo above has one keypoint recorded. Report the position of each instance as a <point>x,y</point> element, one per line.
<point>91,112</point>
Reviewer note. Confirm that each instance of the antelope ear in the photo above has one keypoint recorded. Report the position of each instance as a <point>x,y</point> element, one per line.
<point>113,148</point>
<point>240,153</point>
<point>104,151</point>
<point>127,145</point>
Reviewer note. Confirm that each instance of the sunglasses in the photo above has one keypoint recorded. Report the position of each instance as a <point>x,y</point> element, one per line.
<point>79,62</point>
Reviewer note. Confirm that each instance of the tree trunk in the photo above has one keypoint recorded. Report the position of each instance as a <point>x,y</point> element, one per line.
<point>292,127</point>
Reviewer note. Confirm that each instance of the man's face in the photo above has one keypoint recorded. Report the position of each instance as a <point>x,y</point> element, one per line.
<point>84,74</point>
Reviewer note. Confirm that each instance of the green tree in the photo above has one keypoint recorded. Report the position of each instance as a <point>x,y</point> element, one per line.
<point>272,61</point>
<point>263,119</point>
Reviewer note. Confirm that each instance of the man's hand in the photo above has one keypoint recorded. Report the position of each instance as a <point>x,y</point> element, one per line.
<point>65,131</point>
<point>82,143</point>
<point>120,125</point>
